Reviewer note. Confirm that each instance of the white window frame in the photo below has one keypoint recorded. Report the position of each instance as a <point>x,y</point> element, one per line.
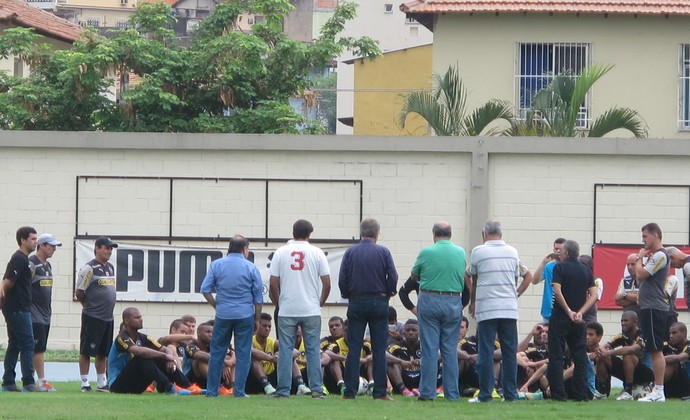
<point>545,60</point>
<point>388,8</point>
<point>684,87</point>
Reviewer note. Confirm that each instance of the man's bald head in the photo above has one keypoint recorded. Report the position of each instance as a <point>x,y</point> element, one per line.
<point>441,230</point>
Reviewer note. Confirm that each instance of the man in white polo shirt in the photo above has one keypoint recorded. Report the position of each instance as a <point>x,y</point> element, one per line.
<point>495,268</point>
<point>300,283</point>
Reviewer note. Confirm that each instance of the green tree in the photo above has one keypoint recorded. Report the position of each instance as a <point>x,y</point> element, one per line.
<point>444,109</point>
<point>224,81</point>
<point>555,109</point>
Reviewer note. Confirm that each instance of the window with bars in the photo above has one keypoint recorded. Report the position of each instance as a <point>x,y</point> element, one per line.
<point>684,87</point>
<point>93,22</point>
<point>122,24</point>
<point>537,63</point>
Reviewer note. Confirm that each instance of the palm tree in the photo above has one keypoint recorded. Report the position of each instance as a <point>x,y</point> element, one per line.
<point>444,109</point>
<point>556,108</point>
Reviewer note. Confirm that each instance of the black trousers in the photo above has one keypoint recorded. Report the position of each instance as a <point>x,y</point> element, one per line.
<point>561,332</point>
<point>139,373</point>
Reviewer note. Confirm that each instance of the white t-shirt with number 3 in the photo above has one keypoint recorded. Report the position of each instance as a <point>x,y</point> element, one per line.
<point>300,266</point>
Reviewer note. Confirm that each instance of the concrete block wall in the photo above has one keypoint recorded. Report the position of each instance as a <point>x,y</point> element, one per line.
<point>539,188</point>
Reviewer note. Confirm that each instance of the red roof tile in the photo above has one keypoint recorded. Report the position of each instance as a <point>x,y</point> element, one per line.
<point>16,12</point>
<point>642,7</point>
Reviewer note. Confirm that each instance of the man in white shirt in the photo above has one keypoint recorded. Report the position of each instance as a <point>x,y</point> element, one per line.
<point>300,283</point>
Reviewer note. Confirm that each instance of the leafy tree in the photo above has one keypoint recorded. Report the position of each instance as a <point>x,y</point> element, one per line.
<point>555,109</point>
<point>444,108</point>
<point>327,102</point>
<point>225,81</point>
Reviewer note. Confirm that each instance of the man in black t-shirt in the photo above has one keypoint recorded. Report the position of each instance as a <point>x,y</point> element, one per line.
<point>41,298</point>
<point>15,300</point>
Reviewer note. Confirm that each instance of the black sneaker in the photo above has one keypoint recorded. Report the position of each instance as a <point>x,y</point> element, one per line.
<point>10,388</point>
<point>318,395</point>
<point>104,388</point>
<point>86,388</point>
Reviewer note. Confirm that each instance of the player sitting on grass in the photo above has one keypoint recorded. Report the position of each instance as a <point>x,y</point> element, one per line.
<point>403,361</point>
<point>337,352</point>
<point>335,327</point>
<point>197,356</point>
<point>533,355</point>
<point>676,353</point>
<point>301,357</point>
<point>177,339</point>
<point>467,361</point>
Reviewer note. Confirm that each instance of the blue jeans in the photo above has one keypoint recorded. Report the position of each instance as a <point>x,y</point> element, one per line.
<point>20,336</point>
<point>223,330</point>
<point>363,310</point>
<point>507,337</point>
<point>287,330</point>
<point>439,329</point>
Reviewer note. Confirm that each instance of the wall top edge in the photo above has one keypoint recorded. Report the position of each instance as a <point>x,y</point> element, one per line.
<point>253,142</point>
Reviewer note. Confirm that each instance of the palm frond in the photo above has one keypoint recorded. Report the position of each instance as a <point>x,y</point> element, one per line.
<point>425,104</point>
<point>583,84</point>
<point>618,118</point>
<point>475,123</point>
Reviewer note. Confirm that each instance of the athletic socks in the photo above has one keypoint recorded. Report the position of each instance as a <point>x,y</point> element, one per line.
<point>263,381</point>
<point>399,388</point>
<point>296,382</point>
<point>101,380</point>
<point>85,381</point>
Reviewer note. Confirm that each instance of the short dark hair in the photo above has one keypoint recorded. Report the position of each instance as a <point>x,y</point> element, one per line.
<point>598,329</point>
<point>265,317</point>
<point>369,228</point>
<point>335,318</point>
<point>559,241</point>
<point>652,228</point>
<point>302,229</point>
<point>586,260</point>
<point>188,318</point>
<point>175,325</point>
<point>23,233</point>
<point>466,321</point>
<point>237,244</point>
<point>441,230</point>
<point>392,314</point>
<point>411,321</point>
<point>681,326</point>
<point>204,324</point>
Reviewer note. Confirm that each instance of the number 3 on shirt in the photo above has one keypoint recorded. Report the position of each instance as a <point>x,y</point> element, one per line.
<point>298,261</point>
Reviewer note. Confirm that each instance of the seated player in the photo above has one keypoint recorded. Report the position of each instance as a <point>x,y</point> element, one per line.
<point>177,339</point>
<point>624,357</point>
<point>676,353</point>
<point>301,356</point>
<point>403,361</point>
<point>594,334</point>
<point>263,374</point>
<point>335,327</point>
<point>197,356</point>
<point>337,352</point>
<point>190,322</point>
<point>467,360</point>
<point>533,355</point>
<point>135,360</point>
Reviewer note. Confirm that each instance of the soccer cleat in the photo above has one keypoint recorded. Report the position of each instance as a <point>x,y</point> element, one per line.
<point>303,390</point>
<point>195,389</point>
<point>439,392</point>
<point>10,388</point>
<point>654,396</point>
<point>268,389</point>
<point>33,388</point>
<point>495,395</point>
<point>318,395</point>
<point>104,388</point>
<point>150,389</point>
<point>86,388</point>
<point>48,387</point>
<point>221,391</point>
<point>341,386</point>
<point>407,393</point>
<point>624,396</point>
<point>416,393</point>
<point>176,390</point>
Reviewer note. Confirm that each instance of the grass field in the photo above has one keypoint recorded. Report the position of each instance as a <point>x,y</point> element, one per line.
<point>69,403</point>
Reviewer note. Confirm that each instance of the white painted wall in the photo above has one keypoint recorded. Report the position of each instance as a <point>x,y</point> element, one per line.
<point>539,188</point>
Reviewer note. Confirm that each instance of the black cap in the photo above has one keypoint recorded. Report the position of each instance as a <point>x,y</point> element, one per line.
<point>105,241</point>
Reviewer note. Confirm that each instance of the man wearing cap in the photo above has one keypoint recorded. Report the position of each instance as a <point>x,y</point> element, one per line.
<point>41,294</point>
<point>96,292</point>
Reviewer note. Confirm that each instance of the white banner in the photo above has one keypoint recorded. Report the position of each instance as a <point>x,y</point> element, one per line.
<point>148,273</point>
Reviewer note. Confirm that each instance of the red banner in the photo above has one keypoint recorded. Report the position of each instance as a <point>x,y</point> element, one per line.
<point>609,265</point>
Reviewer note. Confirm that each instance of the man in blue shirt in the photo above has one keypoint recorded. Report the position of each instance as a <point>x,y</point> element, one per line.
<point>368,279</point>
<point>545,272</point>
<point>238,301</point>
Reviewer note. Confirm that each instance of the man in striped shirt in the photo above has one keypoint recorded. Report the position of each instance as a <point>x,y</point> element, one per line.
<point>495,267</point>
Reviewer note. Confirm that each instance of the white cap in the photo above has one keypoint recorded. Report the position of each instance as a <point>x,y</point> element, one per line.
<point>49,239</point>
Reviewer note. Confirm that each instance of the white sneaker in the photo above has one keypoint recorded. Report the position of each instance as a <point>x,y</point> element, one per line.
<point>474,400</point>
<point>624,396</point>
<point>303,390</point>
<point>599,396</point>
<point>653,396</point>
<point>268,389</point>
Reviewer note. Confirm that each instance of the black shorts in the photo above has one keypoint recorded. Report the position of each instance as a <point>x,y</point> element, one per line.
<point>642,375</point>
<point>653,328</point>
<point>193,378</point>
<point>40,337</point>
<point>410,379</point>
<point>96,336</point>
